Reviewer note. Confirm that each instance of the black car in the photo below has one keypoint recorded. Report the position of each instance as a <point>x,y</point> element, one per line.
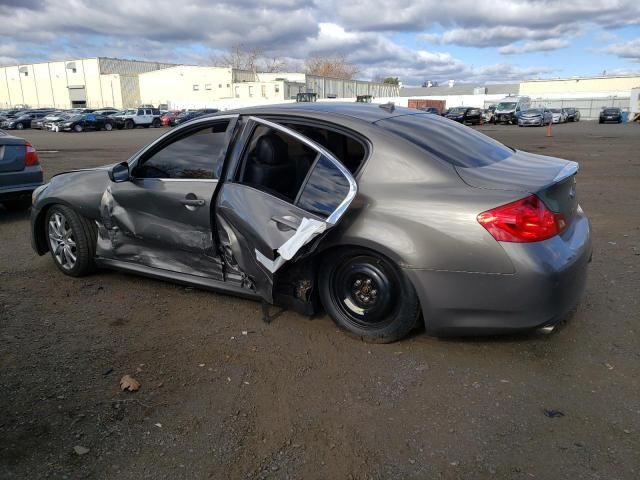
<point>22,120</point>
<point>612,114</point>
<point>20,172</point>
<point>191,114</point>
<point>85,121</point>
<point>432,110</point>
<point>573,114</point>
<point>465,115</point>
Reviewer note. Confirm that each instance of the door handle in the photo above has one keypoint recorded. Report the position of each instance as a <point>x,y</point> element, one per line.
<point>286,222</point>
<point>192,202</point>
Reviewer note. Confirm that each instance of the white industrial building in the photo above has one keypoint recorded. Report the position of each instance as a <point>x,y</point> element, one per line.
<point>86,82</point>
<point>110,82</point>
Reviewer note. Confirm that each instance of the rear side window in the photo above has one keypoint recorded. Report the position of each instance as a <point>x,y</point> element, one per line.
<point>326,188</point>
<point>447,140</point>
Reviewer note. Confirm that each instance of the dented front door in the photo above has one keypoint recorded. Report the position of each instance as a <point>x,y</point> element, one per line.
<point>162,216</point>
<point>262,231</point>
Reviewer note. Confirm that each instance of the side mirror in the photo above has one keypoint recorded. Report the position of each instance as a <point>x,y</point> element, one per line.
<point>120,172</point>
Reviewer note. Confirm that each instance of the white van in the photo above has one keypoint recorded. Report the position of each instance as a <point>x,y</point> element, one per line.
<point>508,109</point>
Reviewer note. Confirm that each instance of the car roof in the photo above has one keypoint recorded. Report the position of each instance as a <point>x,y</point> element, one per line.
<point>367,112</point>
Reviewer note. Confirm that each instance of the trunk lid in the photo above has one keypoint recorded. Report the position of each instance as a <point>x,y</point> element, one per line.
<point>551,179</point>
<point>12,151</point>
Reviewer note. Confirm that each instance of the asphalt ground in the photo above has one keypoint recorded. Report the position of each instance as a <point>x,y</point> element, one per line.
<point>224,395</point>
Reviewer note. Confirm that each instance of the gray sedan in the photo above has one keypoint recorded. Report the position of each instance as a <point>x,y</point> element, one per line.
<point>387,217</point>
<point>20,172</point>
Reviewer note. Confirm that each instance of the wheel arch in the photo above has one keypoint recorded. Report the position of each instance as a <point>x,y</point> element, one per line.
<point>39,236</point>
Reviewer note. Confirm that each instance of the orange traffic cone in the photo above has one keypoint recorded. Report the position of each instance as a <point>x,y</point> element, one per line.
<point>549,133</point>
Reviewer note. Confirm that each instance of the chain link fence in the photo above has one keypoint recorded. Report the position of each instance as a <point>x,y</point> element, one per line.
<point>589,108</point>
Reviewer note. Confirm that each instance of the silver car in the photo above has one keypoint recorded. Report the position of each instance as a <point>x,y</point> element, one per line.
<point>537,117</point>
<point>388,218</point>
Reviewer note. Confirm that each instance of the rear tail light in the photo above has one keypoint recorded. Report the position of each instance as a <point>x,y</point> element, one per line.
<point>30,155</point>
<point>525,220</point>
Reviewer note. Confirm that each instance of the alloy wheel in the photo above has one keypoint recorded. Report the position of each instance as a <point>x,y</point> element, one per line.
<point>62,241</point>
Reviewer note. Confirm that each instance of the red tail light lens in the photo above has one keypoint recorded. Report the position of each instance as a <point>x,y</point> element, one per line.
<point>30,155</point>
<point>525,220</point>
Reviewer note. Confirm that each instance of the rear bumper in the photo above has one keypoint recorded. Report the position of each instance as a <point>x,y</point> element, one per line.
<point>14,185</point>
<point>549,280</point>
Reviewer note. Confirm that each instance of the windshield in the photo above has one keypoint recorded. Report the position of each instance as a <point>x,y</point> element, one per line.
<point>533,111</point>
<point>506,106</point>
<point>555,110</point>
<point>131,112</point>
<point>449,141</point>
<point>611,111</point>
<point>458,110</point>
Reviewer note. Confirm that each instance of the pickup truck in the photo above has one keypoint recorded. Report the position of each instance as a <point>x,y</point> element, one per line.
<point>138,117</point>
<point>20,172</point>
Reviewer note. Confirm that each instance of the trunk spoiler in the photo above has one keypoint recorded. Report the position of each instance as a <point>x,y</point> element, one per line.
<point>568,170</point>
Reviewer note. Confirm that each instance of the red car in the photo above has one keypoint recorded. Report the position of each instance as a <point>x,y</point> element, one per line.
<point>168,119</point>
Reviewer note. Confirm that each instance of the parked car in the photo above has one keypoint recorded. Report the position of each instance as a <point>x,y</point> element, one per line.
<point>535,117</point>
<point>289,203</point>
<point>509,108</point>
<point>84,121</point>
<point>22,120</point>
<point>168,119</point>
<point>465,115</point>
<point>51,123</point>
<point>487,113</point>
<point>558,115</point>
<point>106,112</point>
<point>432,110</point>
<point>137,117</point>
<point>612,114</point>
<point>573,114</point>
<point>191,114</point>
<point>39,123</point>
<point>20,172</point>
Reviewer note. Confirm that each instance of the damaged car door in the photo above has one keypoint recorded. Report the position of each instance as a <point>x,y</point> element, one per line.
<point>159,214</point>
<point>284,191</point>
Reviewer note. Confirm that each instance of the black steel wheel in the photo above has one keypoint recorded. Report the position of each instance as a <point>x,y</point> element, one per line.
<point>156,123</point>
<point>129,124</point>
<point>368,295</point>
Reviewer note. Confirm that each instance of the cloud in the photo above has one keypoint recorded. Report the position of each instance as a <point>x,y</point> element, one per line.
<point>630,49</point>
<point>528,47</point>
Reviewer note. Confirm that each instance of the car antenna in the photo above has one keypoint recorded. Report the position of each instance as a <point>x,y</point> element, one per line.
<point>389,106</point>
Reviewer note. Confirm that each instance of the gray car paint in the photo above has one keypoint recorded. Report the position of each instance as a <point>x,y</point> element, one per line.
<point>412,207</point>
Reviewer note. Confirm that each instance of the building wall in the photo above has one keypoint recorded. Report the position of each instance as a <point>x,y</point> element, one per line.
<point>579,85</point>
<point>191,84</point>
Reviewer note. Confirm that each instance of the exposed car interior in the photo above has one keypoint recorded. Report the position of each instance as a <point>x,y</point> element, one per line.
<point>279,163</point>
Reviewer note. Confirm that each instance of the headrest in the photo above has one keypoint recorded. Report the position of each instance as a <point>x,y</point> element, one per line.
<point>271,150</point>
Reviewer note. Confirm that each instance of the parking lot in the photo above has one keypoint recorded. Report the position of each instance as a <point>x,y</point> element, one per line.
<point>225,395</point>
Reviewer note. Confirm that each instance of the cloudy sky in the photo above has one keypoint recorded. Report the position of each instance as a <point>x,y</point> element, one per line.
<point>474,41</point>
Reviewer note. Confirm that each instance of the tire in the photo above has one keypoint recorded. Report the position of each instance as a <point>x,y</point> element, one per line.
<point>73,236</point>
<point>108,127</point>
<point>77,128</point>
<point>129,124</point>
<point>17,204</point>
<point>156,123</point>
<point>368,296</point>
<point>19,126</point>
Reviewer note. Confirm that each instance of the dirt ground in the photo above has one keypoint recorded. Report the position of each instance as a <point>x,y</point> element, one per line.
<point>225,395</point>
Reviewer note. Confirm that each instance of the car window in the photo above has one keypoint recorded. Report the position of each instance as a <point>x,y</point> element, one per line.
<point>446,140</point>
<point>325,189</point>
<point>197,155</point>
<point>276,163</point>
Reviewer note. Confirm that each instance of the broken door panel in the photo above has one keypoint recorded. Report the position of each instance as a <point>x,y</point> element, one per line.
<point>271,227</point>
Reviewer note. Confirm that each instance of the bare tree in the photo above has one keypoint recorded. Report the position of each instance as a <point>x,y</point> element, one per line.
<point>336,67</point>
<point>251,59</point>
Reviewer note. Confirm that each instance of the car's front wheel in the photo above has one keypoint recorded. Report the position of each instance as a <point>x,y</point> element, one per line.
<point>19,126</point>
<point>72,240</point>
<point>77,128</point>
<point>129,124</point>
<point>367,295</point>
<point>108,127</point>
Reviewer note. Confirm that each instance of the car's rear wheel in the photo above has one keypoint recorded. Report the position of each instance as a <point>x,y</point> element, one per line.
<point>77,128</point>
<point>72,240</point>
<point>108,127</point>
<point>367,295</point>
<point>156,123</point>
